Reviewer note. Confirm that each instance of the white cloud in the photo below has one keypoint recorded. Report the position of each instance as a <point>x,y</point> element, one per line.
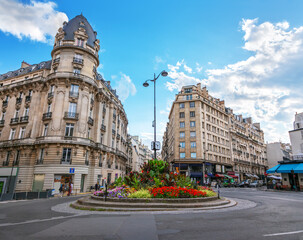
<point>188,69</point>
<point>38,21</point>
<point>158,61</point>
<point>198,68</point>
<point>124,86</point>
<point>179,77</point>
<point>267,85</point>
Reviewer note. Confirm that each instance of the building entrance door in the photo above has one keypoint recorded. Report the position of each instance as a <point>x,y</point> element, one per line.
<point>294,181</point>
<point>82,183</point>
<point>109,178</point>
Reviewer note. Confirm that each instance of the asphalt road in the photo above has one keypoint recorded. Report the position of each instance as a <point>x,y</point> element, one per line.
<point>277,215</point>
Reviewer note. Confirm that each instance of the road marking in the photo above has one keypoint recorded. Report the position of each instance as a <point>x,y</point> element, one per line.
<point>40,220</point>
<point>285,233</point>
<point>285,199</point>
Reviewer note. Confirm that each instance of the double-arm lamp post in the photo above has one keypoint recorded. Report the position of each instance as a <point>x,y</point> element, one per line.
<point>145,84</point>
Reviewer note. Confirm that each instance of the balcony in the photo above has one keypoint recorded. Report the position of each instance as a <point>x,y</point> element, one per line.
<point>71,115</point>
<point>113,132</point>
<point>73,94</point>
<point>2,123</point>
<point>14,120</point>
<point>50,94</point>
<point>66,161</point>
<point>4,103</point>
<point>90,121</point>
<point>103,128</point>
<point>56,61</point>
<point>47,116</point>
<point>24,119</point>
<point>19,100</point>
<point>78,61</point>
<point>28,98</point>
<point>5,163</point>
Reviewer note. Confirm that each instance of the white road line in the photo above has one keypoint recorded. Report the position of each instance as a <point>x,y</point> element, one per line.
<point>285,199</point>
<point>40,220</point>
<point>285,233</point>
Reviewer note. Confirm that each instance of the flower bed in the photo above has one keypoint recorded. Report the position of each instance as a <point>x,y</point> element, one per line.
<point>176,192</point>
<point>155,181</point>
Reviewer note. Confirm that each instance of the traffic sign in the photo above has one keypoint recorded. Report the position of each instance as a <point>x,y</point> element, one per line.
<point>157,147</point>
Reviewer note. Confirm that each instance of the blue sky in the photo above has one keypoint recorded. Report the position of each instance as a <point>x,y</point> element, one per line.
<point>248,53</point>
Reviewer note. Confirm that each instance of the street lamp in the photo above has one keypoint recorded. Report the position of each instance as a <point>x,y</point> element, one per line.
<point>145,84</point>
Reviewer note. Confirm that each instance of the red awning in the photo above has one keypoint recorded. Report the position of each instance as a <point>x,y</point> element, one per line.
<point>233,176</point>
<point>219,175</point>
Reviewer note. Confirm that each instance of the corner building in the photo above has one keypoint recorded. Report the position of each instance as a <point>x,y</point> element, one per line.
<point>198,133</point>
<point>61,121</point>
<point>202,131</point>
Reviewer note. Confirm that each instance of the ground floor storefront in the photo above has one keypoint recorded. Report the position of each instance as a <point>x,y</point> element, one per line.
<point>291,174</point>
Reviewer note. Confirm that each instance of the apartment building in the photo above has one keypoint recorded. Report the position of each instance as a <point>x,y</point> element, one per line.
<point>199,134</point>
<point>248,149</point>
<point>277,152</point>
<point>140,153</point>
<point>61,121</point>
<point>296,137</point>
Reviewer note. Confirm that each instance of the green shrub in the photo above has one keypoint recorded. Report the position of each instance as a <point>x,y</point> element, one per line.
<point>143,193</point>
<point>210,193</point>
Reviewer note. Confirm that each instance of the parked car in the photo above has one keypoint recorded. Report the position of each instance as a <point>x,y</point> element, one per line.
<point>256,183</point>
<point>244,183</point>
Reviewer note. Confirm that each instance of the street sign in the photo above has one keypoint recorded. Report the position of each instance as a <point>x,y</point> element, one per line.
<point>157,147</point>
<point>72,170</point>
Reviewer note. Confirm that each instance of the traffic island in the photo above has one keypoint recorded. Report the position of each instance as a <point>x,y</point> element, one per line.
<point>94,203</point>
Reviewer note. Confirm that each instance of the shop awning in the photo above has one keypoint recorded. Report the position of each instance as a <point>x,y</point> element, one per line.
<point>219,175</point>
<point>255,176</point>
<point>299,168</point>
<point>274,177</point>
<point>227,176</point>
<point>286,168</point>
<point>233,176</point>
<point>248,175</point>
<point>273,169</point>
<point>210,174</point>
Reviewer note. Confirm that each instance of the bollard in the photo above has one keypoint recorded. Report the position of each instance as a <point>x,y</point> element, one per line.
<point>218,191</point>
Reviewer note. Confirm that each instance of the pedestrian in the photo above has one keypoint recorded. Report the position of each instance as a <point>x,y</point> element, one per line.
<point>97,186</point>
<point>66,188</point>
<point>69,189</point>
<point>61,189</point>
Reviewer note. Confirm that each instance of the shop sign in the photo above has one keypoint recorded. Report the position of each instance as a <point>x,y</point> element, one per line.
<point>72,170</point>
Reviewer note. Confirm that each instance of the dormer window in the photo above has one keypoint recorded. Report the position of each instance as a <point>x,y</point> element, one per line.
<point>79,42</point>
<point>188,90</point>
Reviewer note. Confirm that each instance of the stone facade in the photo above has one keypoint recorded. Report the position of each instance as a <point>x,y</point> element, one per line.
<point>61,121</point>
<point>296,137</point>
<point>203,133</point>
<point>247,147</point>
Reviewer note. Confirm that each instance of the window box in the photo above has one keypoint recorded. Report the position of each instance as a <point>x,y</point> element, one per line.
<point>24,119</point>
<point>47,116</point>
<point>14,120</point>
